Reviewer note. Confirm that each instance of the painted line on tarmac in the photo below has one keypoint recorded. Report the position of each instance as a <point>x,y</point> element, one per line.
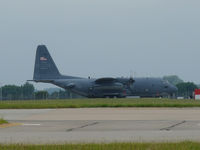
<point>31,124</point>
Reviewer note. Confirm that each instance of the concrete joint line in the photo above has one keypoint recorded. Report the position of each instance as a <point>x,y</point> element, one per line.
<point>87,125</point>
<point>175,125</point>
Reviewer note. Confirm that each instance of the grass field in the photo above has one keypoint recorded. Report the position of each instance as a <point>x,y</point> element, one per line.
<point>92,103</point>
<point>111,146</point>
<point>2,121</point>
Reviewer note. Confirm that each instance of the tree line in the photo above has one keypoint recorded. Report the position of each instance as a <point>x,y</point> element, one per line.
<point>27,91</point>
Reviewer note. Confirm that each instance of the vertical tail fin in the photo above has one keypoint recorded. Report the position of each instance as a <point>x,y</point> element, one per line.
<point>45,68</point>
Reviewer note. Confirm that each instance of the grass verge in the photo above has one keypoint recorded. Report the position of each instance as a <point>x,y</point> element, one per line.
<point>2,121</point>
<point>92,103</point>
<point>110,146</point>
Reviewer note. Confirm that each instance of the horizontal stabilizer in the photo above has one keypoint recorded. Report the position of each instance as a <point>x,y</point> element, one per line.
<point>70,85</point>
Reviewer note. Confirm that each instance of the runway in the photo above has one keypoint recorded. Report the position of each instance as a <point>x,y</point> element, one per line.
<point>39,126</point>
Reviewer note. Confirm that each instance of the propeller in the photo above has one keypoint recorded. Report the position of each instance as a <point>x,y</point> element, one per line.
<point>131,79</point>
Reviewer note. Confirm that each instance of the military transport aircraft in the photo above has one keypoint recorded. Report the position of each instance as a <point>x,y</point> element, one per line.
<point>47,72</point>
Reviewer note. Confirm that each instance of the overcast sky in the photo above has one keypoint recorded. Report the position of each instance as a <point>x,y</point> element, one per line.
<point>101,38</point>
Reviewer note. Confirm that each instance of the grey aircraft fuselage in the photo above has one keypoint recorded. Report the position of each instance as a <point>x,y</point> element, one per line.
<point>47,72</point>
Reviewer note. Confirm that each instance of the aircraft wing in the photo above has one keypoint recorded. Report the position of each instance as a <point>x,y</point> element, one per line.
<point>105,80</point>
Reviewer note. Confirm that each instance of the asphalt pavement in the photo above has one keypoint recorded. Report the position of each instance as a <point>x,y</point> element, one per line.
<point>38,126</point>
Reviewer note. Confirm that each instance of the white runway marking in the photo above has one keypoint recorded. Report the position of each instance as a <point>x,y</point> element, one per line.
<point>31,124</point>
